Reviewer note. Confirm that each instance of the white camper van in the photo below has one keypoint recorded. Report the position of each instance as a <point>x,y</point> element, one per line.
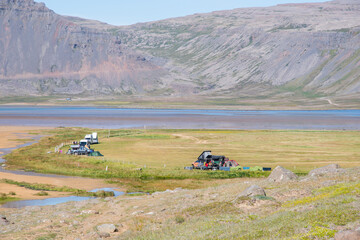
<point>94,138</point>
<point>89,138</point>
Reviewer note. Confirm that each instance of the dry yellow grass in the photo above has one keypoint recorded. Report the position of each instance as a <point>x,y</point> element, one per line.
<point>301,150</point>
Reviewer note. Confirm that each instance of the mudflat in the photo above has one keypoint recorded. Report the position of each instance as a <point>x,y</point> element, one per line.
<point>10,135</point>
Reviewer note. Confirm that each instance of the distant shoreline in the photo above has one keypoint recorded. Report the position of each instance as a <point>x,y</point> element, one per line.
<point>152,118</point>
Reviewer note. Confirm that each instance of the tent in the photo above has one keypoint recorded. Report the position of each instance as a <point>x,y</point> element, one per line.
<point>96,154</point>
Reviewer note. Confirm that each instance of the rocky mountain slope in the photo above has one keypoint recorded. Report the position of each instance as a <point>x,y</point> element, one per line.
<point>44,53</point>
<point>306,49</point>
<point>309,51</point>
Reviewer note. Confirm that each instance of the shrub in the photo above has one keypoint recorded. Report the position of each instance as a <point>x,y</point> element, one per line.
<point>42,193</point>
<point>179,219</point>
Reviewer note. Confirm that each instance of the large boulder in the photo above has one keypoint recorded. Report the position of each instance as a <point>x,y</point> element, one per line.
<point>280,174</point>
<point>107,228</point>
<point>253,191</point>
<point>329,169</point>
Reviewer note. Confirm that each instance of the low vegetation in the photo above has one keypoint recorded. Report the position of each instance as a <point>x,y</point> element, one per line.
<point>48,187</point>
<point>152,160</point>
<point>337,208</point>
<point>42,193</point>
<point>4,198</point>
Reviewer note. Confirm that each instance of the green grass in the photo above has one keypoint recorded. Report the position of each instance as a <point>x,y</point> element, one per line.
<point>4,198</point>
<point>49,187</point>
<point>48,236</point>
<point>42,193</point>
<point>329,192</point>
<point>318,219</point>
<point>162,154</point>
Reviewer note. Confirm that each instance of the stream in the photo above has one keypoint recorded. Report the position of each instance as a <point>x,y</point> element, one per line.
<point>47,201</point>
<point>54,201</point>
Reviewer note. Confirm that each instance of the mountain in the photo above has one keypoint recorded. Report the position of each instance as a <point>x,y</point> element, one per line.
<point>43,53</point>
<point>299,51</point>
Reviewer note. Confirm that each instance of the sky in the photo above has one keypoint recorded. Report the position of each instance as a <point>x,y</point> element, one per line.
<point>126,12</point>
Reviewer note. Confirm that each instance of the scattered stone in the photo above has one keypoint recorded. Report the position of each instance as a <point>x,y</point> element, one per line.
<point>167,191</point>
<point>137,212</point>
<point>3,220</point>
<point>280,174</point>
<point>347,235</point>
<point>252,191</point>
<point>89,212</point>
<point>329,169</point>
<point>214,196</point>
<point>150,213</point>
<point>106,228</point>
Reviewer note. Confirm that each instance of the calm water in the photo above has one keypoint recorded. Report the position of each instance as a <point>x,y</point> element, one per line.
<point>111,118</point>
<point>55,201</point>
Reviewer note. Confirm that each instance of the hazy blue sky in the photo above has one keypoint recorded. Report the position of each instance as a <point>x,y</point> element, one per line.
<point>125,12</point>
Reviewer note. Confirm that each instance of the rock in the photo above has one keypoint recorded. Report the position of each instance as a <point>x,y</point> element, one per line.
<point>106,228</point>
<point>329,169</point>
<point>348,235</point>
<point>252,191</point>
<point>104,235</point>
<point>280,174</point>
<point>3,220</point>
<point>137,212</point>
<point>89,212</point>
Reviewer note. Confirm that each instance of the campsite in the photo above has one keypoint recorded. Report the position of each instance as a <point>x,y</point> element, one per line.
<point>222,200</point>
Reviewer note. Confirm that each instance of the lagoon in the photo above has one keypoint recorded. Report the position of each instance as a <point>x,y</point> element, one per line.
<point>117,118</point>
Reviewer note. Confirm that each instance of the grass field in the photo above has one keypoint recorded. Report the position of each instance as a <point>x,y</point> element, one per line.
<point>162,154</point>
<point>297,150</point>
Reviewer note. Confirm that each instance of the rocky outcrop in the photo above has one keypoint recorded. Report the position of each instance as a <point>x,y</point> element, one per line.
<point>326,170</point>
<point>280,174</point>
<point>252,191</point>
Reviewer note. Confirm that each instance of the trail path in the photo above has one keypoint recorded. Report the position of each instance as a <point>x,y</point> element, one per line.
<point>192,138</point>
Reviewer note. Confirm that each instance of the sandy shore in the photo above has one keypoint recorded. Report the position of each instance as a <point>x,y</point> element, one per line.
<point>73,182</point>
<point>9,135</point>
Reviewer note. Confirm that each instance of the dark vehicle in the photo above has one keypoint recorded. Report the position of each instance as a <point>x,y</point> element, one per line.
<point>80,149</point>
<point>207,161</point>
